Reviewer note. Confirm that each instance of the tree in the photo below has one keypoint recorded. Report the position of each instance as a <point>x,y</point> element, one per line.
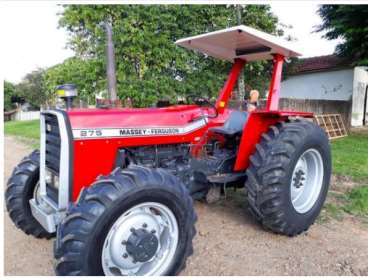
<point>9,92</point>
<point>32,88</point>
<point>348,22</point>
<point>149,65</point>
<point>86,74</point>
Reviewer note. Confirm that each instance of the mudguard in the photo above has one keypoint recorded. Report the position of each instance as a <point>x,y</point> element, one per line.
<point>257,124</point>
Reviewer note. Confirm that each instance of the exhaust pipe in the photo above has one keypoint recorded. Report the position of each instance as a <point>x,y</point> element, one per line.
<point>110,69</point>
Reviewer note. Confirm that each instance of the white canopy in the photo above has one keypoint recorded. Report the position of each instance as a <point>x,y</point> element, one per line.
<point>239,42</point>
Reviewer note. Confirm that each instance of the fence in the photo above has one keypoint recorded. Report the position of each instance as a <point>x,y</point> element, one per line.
<point>26,116</point>
<point>9,115</point>
<point>318,106</point>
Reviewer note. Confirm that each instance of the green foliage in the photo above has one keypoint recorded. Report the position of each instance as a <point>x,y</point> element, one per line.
<point>348,22</point>
<point>84,73</point>
<point>32,88</point>
<point>149,65</point>
<point>9,91</point>
<point>349,156</point>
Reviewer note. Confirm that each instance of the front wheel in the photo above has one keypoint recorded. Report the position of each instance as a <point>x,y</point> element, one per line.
<point>23,185</point>
<point>136,221</point>
<point>289,176</point>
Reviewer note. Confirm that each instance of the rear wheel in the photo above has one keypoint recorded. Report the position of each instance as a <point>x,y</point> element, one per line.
<point>136,221</point>
<point>288,176</point>
<point>23,185</point>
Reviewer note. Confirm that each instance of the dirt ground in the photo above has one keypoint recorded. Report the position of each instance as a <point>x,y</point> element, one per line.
<point>228,242</point>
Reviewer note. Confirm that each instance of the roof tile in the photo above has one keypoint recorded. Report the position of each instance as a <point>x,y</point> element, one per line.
<point>320,63</point>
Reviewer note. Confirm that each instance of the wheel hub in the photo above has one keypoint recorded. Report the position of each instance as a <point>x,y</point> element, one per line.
<point>142,241</point>
<point>142,245</point>
<point>307,179</point>
<point>299,178</point>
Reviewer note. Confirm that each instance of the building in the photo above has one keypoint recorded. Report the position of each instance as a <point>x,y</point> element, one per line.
<point>331,85</point>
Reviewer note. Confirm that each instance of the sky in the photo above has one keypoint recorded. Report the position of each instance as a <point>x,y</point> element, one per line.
<point>33,39</point>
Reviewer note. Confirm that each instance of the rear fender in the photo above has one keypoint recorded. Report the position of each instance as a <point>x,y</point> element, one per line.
<point>257,124</point>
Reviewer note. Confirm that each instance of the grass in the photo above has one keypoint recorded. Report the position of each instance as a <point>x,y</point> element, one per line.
<point>350,156</point>
<point>358,201</point>
<point>26,131</point>
<point>330,210</point>
<point>353,202</point>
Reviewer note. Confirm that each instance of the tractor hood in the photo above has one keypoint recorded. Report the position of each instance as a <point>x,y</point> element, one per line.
<point>179,119</point>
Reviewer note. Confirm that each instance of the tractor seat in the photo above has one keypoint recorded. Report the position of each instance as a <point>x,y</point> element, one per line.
<point>234,124</point>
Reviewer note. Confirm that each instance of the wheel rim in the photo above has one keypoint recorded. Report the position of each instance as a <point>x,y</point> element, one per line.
<point>141,224</point>
<point>307,180</point>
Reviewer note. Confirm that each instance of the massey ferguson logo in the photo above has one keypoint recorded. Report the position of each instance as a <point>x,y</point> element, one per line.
<point>132,132</point>
<point>148,131</point>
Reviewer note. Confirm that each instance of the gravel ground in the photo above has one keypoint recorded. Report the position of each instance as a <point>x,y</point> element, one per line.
<point>228,242</point>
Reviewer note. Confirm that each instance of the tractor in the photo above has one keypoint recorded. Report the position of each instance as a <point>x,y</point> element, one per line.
<point>115,186</point>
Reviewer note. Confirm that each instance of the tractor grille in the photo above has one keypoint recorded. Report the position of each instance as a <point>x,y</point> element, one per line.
<point>53,143</point>
<point>56,160</point>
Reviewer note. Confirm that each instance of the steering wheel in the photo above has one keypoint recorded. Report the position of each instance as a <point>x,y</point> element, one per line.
<point>203,102</point>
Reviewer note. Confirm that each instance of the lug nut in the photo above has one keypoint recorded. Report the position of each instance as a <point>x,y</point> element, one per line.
<point>144,225</point>
<point>153,231</point>
<point>132,230</point>
<point>124,242</point>
<point>125,255</point>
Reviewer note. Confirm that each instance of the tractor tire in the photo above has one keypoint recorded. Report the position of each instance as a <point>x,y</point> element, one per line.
<point>92,240</point>
<point>20,189</point>
<point>288,177</point>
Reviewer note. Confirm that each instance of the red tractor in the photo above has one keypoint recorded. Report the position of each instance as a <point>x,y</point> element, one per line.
<point>116,185</point>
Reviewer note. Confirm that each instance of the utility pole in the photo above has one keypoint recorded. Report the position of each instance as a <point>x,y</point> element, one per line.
<point>241,89</point>
<point>110,67</point>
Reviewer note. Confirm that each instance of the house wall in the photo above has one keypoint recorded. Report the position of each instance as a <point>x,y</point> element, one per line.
<point>333,85</point>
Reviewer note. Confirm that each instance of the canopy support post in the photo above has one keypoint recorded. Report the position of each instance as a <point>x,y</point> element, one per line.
<point>225,93</point>
<point>275,86</point>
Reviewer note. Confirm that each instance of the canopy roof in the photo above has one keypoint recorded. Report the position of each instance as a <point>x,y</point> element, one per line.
<point>241,42</point>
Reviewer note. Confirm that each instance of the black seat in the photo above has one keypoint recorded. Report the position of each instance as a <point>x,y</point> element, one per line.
<point>234,124</point>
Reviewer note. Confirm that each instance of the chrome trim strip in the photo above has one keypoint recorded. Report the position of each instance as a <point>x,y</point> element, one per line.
<point>42,155</point>
<point>122,132</point>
